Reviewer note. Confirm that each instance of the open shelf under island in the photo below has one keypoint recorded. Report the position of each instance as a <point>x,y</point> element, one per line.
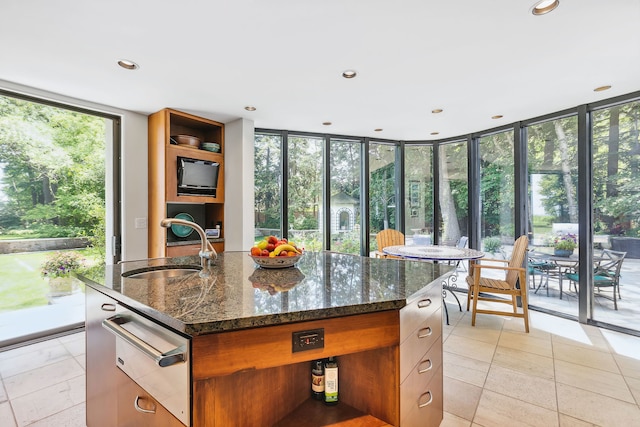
<point>380,317</point>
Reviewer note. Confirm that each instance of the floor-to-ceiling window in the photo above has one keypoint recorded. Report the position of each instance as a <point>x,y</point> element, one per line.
<point>616,213</point>
<point>304,190</point>
<point>418,196</point>
<point>553,212</point>
<point>547,188</point>
<point>497,216</point>
<point>383,190</point>
<point>56,208</point>
<point>453,192</point>
<point>268,184</point>
<point>345,164</point>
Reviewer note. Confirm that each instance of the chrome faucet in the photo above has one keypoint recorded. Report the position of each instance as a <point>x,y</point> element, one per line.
<point>207,252</point>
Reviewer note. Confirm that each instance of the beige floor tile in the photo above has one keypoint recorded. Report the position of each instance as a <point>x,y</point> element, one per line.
<point>6,415</point>
<point>3,392</point>
<point>9,354</point>
<point>596,408</point>
<point>496,409</point>
<point>582,355</point>
<point>486,335</point>
<point>623,344</point>
<point>76,346</point>
<point>525,342</point>
<point>595,380</point>
<point>460,398</point>
<point>45,376</point>
<point>634,386</point>
<point>629,366</point>
<point>25,360</point>
<point>465,369</point>
<point>584,339</point>
<point>567,421</point>
<point>82,361</point>
<point>450,420</point>
<point>522,361</point>
<point>528,388</point>
<point>469,347</point>
<point>48,401</point>
<point>484,321</point>
<point>71,417</point>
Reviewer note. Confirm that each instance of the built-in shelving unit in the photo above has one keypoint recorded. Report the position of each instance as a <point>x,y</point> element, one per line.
<point>163,183</point>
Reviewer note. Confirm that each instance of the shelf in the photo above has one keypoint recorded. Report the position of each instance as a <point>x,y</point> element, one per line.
<point>313,413</point>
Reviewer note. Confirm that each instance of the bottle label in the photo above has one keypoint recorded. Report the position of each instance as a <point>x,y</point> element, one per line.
<point>317,383</point>
<point>331,384</point>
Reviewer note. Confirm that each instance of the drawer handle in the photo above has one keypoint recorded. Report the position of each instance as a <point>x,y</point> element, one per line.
<point>428,368</point>
<point>428,402</point>
<point>144,411</point>
<point>425,332</point>
<point>424,303</point>
<point>108,307</point>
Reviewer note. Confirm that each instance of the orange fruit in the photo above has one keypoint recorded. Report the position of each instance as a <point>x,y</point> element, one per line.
<point>256,251</point>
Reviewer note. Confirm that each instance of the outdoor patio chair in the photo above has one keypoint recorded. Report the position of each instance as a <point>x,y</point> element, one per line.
<point>462,243</point>
<point>606,274</point>
<point>388,237</point>
<point>514,284</point>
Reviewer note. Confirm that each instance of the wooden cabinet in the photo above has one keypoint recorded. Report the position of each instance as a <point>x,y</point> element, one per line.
<point>163,184</point>
<point>102,384</point>
<point>137,408</point>
<point>390,371</point>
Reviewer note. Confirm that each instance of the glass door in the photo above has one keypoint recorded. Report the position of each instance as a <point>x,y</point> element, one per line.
<point>55,210</point>
<point>616,215</point>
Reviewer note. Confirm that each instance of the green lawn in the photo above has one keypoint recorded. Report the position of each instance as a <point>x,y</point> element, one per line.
<point>21,285</point>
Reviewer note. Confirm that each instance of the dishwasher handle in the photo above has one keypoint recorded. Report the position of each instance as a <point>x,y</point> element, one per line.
<point>113,324</point>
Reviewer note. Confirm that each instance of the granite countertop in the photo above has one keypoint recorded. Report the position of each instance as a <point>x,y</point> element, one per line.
<point>237,294</point>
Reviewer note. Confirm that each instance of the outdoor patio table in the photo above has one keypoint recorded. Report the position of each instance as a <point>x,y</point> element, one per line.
<point>554,266</point>
<point>436,253</point>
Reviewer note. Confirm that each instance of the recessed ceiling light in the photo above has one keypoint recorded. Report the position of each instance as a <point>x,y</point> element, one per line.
<point>349,74</point>
<point>435,133</point>
<point>378,130</point>
<point>497,116</point>
<point>128,65</point>
<point>250,108</point>
<point>326,123</point>
<point>601,88</point>
<point>436,111</point>
<point>544,6</point>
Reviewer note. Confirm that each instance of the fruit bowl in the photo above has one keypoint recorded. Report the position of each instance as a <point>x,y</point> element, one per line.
<point>277,261</point>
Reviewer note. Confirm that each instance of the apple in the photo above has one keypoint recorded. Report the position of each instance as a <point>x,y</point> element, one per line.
<point>265,252</point>
<point>272,239</point>
<point>270,247</point>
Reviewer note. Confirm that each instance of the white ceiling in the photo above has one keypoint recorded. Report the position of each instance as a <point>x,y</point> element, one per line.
<point>471,58</point>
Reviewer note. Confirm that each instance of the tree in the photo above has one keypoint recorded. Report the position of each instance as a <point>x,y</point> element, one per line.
<point>53,167</point>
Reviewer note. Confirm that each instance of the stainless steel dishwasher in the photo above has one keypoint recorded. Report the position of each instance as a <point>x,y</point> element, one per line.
<point>156,358</point>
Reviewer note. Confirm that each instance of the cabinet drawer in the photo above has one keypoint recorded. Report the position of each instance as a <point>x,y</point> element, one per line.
<point>422,405</point>
<point>419,342</point>
<point>133,400</point>
<point>423,306</point>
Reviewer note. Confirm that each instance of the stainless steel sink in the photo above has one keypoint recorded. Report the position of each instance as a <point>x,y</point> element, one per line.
<point>162,272</point>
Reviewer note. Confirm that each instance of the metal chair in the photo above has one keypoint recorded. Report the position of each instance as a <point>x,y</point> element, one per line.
<point>606,274</point>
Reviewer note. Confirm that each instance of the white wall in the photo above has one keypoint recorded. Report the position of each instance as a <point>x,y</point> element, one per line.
<point>238,185</point>
<point>134,166</point>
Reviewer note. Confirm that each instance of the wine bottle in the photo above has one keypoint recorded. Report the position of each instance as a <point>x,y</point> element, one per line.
<point>317,379</point>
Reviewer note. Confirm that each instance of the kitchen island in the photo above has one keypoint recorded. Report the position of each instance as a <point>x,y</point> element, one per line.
<point>380,317</point>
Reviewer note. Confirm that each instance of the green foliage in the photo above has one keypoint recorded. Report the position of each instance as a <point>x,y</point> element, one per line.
<point>53,163</point>
<point>566,242</point>
<point>61,264</point>
<point>492,244</point>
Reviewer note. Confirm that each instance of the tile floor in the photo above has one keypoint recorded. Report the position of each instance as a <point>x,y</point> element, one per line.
<point>561,374</point>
